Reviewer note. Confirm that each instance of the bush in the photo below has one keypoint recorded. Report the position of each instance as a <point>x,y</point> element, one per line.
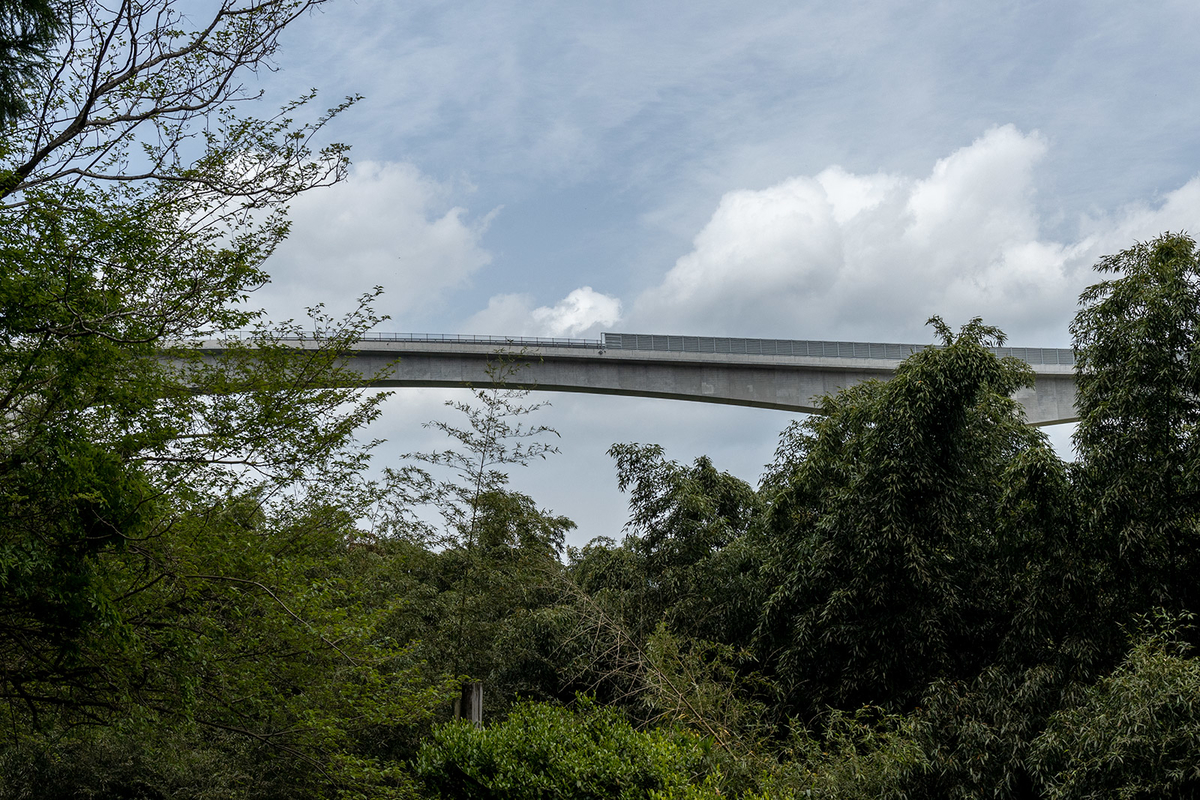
<point>548,751</point>
<point>1135,734</point>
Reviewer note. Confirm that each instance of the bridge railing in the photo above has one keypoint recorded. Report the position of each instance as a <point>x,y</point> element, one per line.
<point>717,344</point>
<point>449,338</point>
<point>809,348</point>
<point>500,341</point>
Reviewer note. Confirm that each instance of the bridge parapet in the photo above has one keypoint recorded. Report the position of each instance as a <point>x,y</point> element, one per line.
<point>811,348</point>
<point>806,348</point>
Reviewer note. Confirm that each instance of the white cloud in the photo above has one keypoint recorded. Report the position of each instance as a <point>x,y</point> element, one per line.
<point>984,188</point>
<point>781,241</point>
<point>388,225</point>
<point>505,315</point>
<point>1178,211</point>
<point>581,314</point>
<point>848,195</point>
<point>581,311</point>
<point>872,257</point>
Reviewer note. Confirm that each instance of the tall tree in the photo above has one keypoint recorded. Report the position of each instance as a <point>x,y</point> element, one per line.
<point>497,551</point>
<point>166,551</point>
<point>692,557</point>
<point>884,517</point>
<point>1138,376</point>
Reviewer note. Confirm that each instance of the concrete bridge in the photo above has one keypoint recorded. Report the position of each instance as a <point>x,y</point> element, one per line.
<point>764,373</point>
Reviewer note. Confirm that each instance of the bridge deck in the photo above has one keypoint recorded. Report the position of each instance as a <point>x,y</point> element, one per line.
<point>766,373</point>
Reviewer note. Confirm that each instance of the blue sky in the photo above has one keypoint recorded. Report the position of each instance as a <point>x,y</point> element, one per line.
<point>820,170</point>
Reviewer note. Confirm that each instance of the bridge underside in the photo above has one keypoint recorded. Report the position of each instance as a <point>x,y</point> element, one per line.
<point>786,383</point>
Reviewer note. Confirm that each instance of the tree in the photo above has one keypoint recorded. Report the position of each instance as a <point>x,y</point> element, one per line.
<point>138,96</point>
<point>495,437</point>
<point>1138,393</point>
<point>1136,732</point>
<point>691,554</point>
<point>28,29</point>
<point>167,550</point>
<point>497,551</point>
<point>292,683</point>
<point>693,545</point>
<point>884,513</point>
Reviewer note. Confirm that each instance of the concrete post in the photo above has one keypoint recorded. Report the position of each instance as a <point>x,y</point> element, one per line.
<point>469,703</point>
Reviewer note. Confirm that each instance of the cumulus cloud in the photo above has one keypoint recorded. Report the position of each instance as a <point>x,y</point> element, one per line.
<point>581,314</point>
<point>505,315</point>
<point>387,225</point>
<point>873,256</point>
<point>782,240</point>
<point>1178,211</point>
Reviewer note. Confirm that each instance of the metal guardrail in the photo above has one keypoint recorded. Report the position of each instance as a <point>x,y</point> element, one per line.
<point>765,347</point>
<point>809,348</point>
<point>449,338</point>
<point>457,338</point>
<point>1064,356</point>
<point>715,344</point>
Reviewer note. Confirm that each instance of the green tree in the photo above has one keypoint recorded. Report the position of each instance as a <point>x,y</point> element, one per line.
<point>109,449</point>
<point>1136,732</point>
<point>867,754</point>
<point>885,518</point>
<point>692,546</point>
<point>496,436</point>
<point>1138,393</point>
<point>174,529</point>
<point>259,657</point>
<point>28,29</point>
<point>496,560</point>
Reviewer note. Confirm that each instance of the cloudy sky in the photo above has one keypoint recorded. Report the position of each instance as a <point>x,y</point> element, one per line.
<point>799,170</point>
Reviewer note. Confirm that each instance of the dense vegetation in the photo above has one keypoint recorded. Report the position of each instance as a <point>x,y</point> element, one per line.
<point>202,594</point>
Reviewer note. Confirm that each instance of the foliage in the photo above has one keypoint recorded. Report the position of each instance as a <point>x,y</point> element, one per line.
<point>675,680</point>
<point>976,734</point>
<point>886,533</point>
<point>543,750</point>
<point>141,761</point>
<point>178,582</point>
<point>692,546</point>
<point>486,616</point>
<point>698,685</point>
<point>28,28</point>
<point>259,645</point>
<point>1048,568</point>
<point>662,621</point>
<point>863,754</point>
<point>1135,733</point>
<point>1138,378</point>
<point>114,456</point>
<point>487,575</point>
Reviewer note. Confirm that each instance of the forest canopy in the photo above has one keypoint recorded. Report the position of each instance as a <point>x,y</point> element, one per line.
<point>205,593</point>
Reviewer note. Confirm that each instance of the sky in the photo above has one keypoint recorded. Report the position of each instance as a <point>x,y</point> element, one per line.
<point>770,169</point>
